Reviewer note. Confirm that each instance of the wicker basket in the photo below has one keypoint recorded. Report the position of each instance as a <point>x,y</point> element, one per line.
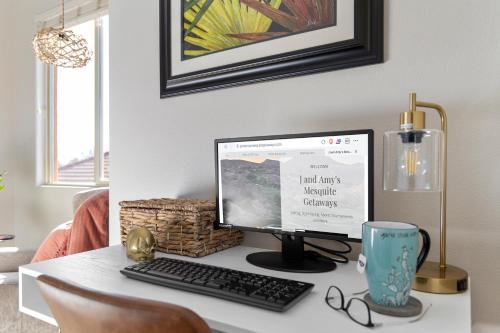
<point>180,226</point>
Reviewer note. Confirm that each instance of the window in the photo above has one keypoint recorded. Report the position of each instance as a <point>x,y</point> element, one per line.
<point>77,122</point>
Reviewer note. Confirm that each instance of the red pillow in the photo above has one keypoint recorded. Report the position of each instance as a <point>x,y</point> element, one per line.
<point>55,245</point>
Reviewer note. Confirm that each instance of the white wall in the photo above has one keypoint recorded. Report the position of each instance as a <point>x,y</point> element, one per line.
<point>6,121</point>
<point>25,208</point>
<point>447,51</point>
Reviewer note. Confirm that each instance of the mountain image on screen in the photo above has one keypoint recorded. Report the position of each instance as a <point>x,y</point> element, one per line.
<point>251,192</point>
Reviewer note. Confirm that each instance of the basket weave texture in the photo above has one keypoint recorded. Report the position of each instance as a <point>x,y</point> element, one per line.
<point>180,226</point>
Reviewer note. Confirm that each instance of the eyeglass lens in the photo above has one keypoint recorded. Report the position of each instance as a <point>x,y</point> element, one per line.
<point>359,311</point>
<point>334,298</point>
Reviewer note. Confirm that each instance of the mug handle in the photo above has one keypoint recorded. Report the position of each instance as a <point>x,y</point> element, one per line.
<point>426,246</point>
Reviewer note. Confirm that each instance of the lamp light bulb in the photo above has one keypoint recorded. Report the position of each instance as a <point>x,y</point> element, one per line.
<point>411,158</point>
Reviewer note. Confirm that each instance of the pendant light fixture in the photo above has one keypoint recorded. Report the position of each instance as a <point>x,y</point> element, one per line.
<point>61,47</point>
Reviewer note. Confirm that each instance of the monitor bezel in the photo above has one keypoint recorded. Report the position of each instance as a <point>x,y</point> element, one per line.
<point>307,233</point>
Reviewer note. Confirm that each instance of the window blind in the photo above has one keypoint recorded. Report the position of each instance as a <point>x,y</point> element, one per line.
<point>75,12</point>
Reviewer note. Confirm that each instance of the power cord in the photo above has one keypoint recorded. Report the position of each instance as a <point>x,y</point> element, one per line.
<point>338,254</point>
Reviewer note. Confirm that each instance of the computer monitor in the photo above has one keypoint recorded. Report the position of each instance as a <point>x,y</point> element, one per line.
<point>317,185</point>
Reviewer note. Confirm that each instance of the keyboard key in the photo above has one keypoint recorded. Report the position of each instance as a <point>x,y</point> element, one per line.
<point>199,281</point>
<point>216,283</point>
<point>258,296</point>
<point>166,275</point>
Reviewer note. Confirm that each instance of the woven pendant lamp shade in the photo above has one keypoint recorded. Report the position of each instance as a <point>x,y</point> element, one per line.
<point>61,47</point>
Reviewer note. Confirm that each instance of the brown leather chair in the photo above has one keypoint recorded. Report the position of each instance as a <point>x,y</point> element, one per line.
<point>81,310</point>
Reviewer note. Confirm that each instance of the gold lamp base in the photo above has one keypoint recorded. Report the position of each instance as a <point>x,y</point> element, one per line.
<point>432,279</point>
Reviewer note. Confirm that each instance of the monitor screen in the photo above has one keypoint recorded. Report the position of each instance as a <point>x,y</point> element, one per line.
<point>308,183</point>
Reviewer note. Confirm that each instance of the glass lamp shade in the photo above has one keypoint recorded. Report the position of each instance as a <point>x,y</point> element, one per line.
<point>413,160</point>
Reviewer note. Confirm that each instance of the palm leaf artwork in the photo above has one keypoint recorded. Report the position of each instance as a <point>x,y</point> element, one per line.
<point>215,25</point>
<point>300,15</point>
<point>204,7</point>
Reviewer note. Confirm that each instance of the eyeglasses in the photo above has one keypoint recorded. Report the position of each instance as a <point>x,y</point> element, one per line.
<point>356,308</point>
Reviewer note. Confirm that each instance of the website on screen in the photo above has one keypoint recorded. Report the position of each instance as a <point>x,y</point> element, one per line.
<point>299,184</point>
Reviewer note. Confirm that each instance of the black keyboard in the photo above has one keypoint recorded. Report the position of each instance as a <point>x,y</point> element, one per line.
<point>253,289</point>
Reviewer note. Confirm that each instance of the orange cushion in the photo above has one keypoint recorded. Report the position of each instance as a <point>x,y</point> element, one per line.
<point>90,225</point>
<point>55,245</point>
<point>87,231</point>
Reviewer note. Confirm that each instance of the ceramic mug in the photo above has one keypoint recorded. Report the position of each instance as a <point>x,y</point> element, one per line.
<point>391,249</point>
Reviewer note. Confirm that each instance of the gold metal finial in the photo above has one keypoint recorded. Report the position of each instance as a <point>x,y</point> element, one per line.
<point>413,102</point>
<point>412,119</point>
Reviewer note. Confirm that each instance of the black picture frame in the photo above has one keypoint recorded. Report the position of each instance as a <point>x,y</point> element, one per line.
<point>365,48</point>
<point>311,234</point>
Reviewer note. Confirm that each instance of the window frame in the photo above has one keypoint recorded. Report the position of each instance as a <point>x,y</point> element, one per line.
<point>49,91</point>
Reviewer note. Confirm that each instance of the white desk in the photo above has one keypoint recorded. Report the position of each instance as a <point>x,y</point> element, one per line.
<point>100,270</point>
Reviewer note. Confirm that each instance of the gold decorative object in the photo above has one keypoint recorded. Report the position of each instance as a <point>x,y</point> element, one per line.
<point>61,47</point>
<point>141,245</point>
<point>415,160</point>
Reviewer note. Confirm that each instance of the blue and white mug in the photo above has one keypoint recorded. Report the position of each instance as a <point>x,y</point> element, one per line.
<point>392,259</point>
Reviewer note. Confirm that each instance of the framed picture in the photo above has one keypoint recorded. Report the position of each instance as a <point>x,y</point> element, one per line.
<point>212,44</point>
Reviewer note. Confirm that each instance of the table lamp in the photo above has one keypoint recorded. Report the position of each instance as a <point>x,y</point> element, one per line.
<point>415,160</point>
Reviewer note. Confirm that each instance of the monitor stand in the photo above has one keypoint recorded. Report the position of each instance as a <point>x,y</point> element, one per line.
<point>292,258</point>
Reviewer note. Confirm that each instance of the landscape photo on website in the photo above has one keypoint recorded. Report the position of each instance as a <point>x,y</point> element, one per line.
<point>314,184</point>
